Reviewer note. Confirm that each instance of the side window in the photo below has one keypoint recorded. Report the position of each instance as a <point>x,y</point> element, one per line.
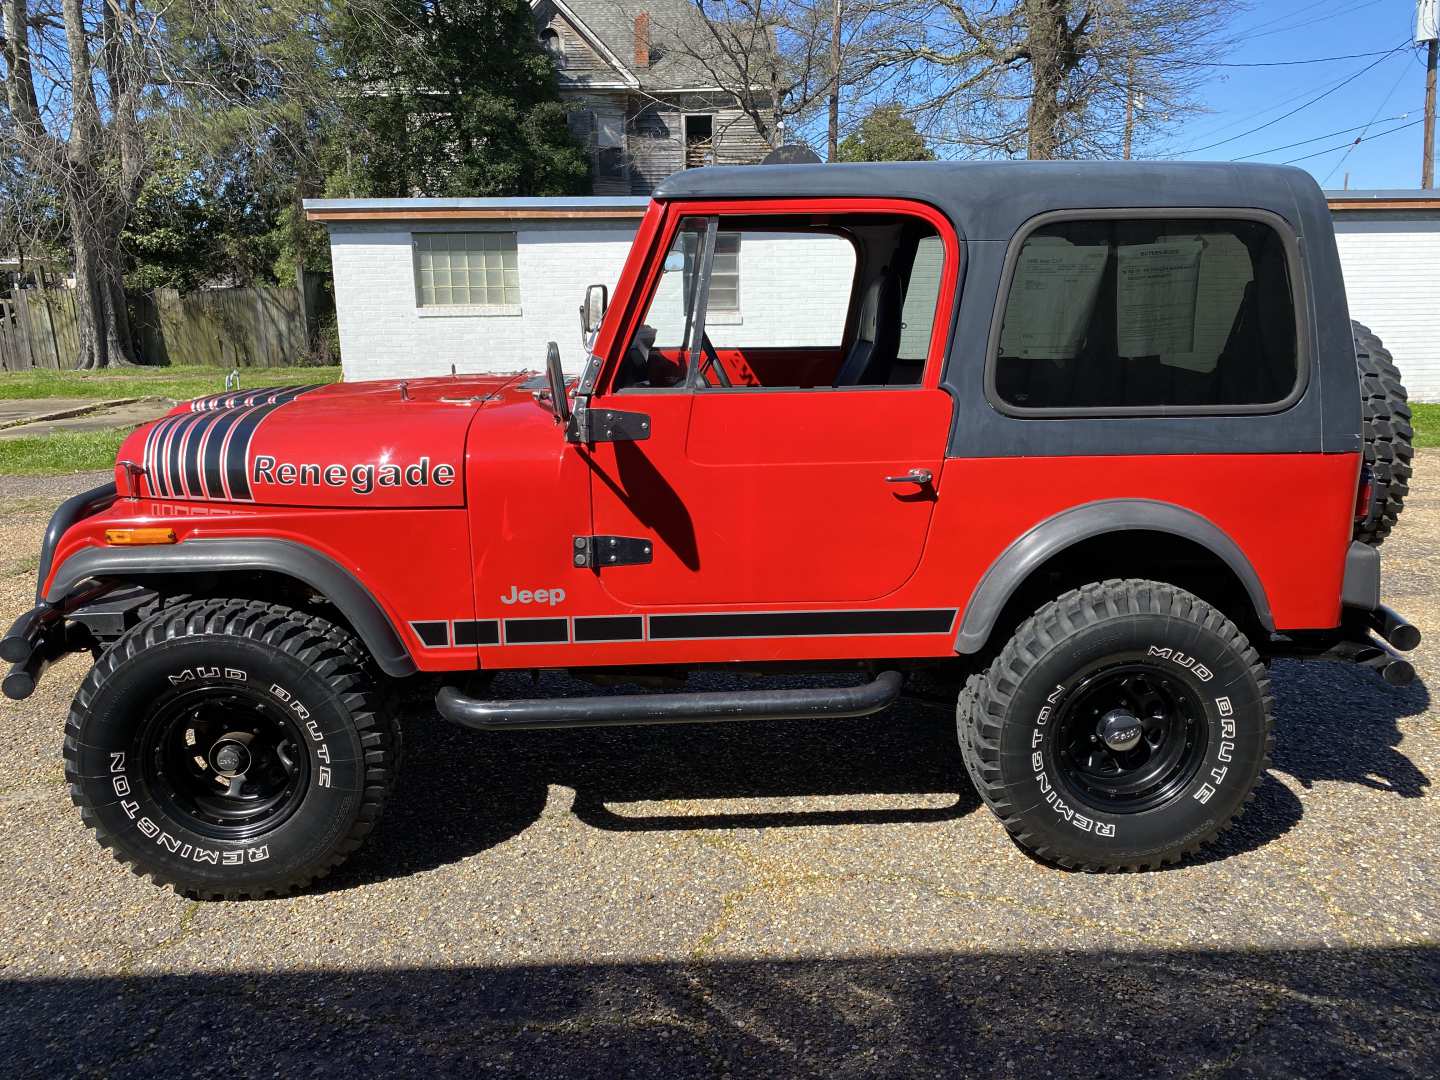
<point>793,302</point>
<point>1148,313</point>
<point>779,290</point>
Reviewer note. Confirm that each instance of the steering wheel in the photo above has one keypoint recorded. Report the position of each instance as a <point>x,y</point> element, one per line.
<point>712,361</point>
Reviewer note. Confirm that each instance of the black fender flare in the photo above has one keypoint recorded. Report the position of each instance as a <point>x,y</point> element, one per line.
<point>1053,535</point>
<point>219,555</point>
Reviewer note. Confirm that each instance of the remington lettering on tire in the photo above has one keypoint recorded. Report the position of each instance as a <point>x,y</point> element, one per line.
<point>229,749</point>
<point>1123,726</point>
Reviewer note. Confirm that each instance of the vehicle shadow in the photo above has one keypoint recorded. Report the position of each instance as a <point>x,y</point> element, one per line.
<point>1011,1012</point>
<point>1339,722</point>
<point>461,792</point>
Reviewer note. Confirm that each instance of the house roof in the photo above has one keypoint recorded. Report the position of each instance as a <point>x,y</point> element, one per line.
<point>610,25</point>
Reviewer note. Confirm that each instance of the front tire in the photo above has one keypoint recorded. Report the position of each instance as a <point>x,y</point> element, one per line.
<point>230,749</point>
<point>1124,726</point>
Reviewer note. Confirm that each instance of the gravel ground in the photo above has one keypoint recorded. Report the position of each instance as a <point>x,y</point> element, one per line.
<point>789,900</point>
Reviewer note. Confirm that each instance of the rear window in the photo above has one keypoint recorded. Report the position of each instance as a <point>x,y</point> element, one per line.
<point>1148,314</point>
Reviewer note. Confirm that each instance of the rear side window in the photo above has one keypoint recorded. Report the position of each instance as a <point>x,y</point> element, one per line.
<point>1148,314</point>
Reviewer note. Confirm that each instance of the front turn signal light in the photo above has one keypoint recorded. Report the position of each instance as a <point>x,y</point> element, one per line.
<point>129,537</point>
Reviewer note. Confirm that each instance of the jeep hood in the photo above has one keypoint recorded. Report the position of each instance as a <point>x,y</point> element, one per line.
<point>369,444</point>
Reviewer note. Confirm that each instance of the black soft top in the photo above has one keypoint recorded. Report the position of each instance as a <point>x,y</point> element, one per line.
<point>990,200</point>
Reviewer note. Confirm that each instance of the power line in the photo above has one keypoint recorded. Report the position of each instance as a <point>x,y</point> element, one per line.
<point>1306,19</point>
<point>1383,102</point>
<point>1285,116</point>
<point>1280,63</point>
<point>1317,138</point>
<point>1206,133</point>
<point>1355,142</point>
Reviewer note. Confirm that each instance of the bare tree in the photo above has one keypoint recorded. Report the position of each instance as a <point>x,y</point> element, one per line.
<point>1050,78</point>
<point>73,80</point>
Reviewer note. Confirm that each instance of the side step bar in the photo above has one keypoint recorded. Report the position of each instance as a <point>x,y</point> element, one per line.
<point>535,714</point>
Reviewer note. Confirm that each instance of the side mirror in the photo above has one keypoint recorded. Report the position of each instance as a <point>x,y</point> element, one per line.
<point>555,377</point>
<point>597,299</point>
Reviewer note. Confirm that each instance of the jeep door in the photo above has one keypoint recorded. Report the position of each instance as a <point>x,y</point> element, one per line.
<point>788,364</point>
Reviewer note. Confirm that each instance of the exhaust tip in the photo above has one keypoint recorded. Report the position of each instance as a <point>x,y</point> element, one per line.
<point>1404,637</point>
<point>1398,673</point>
<point>18,685</point>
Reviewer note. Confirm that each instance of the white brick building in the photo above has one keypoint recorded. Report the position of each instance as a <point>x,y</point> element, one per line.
<point>526,263</point>
<point>1390,249</point>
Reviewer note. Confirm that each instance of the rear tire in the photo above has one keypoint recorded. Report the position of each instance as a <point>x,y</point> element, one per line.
<point>1122,727</point>
<point>1388,438</point>
<point>230,749</point>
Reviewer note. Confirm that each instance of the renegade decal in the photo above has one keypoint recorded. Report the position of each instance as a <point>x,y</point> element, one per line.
<point>204,454</point>
<point>363,479</point>
<point>596,629</point>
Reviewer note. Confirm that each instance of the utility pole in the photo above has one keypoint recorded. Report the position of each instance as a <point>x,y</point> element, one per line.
<point>1427,170</point>
<point>1426,30</point>
<point>834,137</point>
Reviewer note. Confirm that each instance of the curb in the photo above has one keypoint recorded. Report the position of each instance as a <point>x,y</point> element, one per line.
<point>66,414</point>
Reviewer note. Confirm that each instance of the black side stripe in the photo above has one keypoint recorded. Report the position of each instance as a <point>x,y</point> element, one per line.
<point>476,632</point>
<point>708,626</point>
<point>800,624</point>
<point>536,631</point>
<point>435,633</point>
<point>609,628</point>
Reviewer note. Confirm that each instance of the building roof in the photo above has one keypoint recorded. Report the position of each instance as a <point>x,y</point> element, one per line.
<point>1391,199</point>
<point>671,68</point>
<point>457,209</point>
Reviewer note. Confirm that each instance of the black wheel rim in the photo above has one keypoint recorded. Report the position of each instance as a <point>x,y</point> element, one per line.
<point>227,762</point>
<point>1129,737</point>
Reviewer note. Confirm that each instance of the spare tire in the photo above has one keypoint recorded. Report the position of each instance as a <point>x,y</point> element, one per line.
<point>1387,435</point>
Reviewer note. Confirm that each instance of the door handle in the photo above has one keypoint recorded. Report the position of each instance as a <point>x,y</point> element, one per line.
<point>914,476</point>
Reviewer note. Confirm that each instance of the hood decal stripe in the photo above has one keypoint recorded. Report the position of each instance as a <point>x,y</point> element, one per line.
<point>204,454</point>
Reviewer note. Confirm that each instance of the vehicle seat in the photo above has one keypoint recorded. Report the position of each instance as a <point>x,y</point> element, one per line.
<point>878,337</point>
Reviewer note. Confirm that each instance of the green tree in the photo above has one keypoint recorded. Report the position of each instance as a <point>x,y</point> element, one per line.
<point>451,97</point>
<point>886,134</point>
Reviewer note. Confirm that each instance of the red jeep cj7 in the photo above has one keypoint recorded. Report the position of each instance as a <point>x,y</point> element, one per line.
<point>1085,442</point>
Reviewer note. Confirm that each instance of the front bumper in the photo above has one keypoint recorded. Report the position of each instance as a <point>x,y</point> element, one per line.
<point>45,632</point>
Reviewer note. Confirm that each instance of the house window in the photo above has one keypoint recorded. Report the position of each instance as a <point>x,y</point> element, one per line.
<point>554,45</point>
<point>467,269</point>
<point>699,141</point>
<point>725,275</point>
<point>609,146</point>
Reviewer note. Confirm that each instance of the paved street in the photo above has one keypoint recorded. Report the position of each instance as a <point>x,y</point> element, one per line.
<point>809,899</point>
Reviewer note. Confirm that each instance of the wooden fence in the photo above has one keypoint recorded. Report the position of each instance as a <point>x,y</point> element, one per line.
<point>252,327</point>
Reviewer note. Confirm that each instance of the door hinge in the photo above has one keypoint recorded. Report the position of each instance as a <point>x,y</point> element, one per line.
<point>598,551</point>
<point>589,425</point>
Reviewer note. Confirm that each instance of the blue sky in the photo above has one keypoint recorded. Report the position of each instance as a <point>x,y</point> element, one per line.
<point>1381,90</point>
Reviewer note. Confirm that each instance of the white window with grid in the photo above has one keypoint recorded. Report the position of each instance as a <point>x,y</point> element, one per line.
<point>725,275</point>
<point>476,271</point>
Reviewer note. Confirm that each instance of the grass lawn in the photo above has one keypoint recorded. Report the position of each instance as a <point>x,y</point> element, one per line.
<point>63,452</point>
<point>1427,424</point>
<point>180,383</point>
